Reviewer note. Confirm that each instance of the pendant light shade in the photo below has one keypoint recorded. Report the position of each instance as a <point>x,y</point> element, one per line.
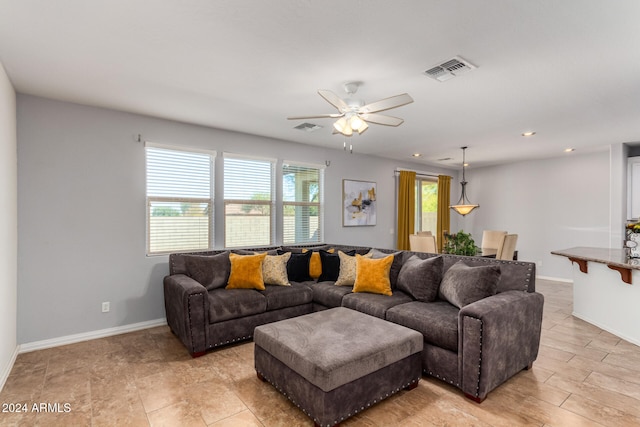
<point>464,206</point>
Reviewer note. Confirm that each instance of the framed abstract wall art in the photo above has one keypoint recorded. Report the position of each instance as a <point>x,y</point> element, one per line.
<point>358,203</point>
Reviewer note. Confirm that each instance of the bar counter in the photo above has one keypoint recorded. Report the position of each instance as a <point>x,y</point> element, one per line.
<point>606,289</point>
<point>615,259</point>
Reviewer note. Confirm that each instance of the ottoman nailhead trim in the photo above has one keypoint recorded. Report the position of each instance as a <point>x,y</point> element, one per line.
<point>277,386</point>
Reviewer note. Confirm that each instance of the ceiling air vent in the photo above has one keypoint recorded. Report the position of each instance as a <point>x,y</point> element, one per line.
<point>450,69</point>
<point>307,127</point>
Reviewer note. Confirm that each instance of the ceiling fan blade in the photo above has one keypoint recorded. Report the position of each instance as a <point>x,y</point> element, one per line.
<point>386,104</point>
<point>334,100</point>
<point>319,116</point>
<point>381,119</point>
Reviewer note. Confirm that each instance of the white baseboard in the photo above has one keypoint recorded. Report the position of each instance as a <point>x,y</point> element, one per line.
<point>6,370</point>
<point>86,336</point>
<point>555,279</point>
<point>606,328</point>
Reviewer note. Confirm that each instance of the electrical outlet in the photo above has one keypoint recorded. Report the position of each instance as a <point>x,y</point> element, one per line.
<point>106,307</point>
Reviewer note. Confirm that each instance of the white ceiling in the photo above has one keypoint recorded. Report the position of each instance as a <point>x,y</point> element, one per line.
<point>567,69</point>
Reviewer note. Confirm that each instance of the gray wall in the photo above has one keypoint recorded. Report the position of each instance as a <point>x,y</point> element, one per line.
<point>81,206</point>
<point>8,225</point>
<point>81,187</point>
<point>551,204</point>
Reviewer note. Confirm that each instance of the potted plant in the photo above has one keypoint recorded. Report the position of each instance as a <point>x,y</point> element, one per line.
<point>459,243</point>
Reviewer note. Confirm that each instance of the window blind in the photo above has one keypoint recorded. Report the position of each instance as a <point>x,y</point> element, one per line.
<point>302,204</point>
<point>179,200</point>
<point>248,201</point>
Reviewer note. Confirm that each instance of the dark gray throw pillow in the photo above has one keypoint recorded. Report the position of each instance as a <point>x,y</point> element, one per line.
<point>463,285</point>
<point>421,278</point>
<point>395,266</point>
<point>211,271</point>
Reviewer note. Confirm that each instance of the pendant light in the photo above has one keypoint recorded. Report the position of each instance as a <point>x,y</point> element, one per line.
<point>464,206</point>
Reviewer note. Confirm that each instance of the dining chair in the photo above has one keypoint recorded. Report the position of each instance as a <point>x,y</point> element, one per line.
<point>507,247</point>
<point>419,243</point>
<point>491,239</point>
<point>427,233</point>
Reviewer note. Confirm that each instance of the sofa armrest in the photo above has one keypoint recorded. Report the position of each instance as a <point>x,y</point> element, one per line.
<point>498,337</point>
<point>187,306</point>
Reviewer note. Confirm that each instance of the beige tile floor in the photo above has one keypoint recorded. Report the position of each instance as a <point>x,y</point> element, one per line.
<point>583,377</point>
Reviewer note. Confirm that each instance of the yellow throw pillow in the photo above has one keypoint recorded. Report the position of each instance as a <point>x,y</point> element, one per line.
<point>315,265</point>
<point>372,275</point>
<point>347,275</point>
<point>246,272</point>
<point>274,269</point>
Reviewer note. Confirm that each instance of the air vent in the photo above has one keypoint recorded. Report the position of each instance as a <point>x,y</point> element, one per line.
<point>308,127</point>
<point>450,69</point>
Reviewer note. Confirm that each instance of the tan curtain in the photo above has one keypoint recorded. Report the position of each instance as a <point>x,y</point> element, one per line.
<point>406,208</point>
<point>444,200</point>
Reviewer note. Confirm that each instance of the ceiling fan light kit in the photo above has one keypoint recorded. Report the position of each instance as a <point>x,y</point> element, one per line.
<point>464,206</point>
<point>354,116</point>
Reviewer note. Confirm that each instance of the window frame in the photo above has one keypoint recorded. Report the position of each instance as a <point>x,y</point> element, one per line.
<point>271,203</point>
<point>319,204</point>
<point>419,214</point>
<point>210,201</point>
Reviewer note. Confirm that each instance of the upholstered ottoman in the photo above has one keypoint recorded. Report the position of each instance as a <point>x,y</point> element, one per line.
<point>335,363</point>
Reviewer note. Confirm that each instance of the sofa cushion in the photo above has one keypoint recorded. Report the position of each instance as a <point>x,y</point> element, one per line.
<point>347,275</point>
<point>211,271</point>
<point>372,275</point>
<point>421,278</point>
<point>246,271</point>
<point>436,321</point>
<point>300,249</point>
<point>287,296</point>
<point>325,293</point>
<point>298,266</point>
<point>331,265</point>
<point>254,252</point>
<point>374,304</point>
<point>274,270</point>
<point>395,267</point>
<point>462,284</point>
<point>226,304</point>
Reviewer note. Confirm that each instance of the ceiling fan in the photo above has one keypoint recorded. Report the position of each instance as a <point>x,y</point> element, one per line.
<point>353,115</point>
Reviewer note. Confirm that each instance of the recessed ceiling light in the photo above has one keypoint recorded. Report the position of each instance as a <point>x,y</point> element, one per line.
<point>528,133</point>
<point>416,155</point>
<point>569,150</point>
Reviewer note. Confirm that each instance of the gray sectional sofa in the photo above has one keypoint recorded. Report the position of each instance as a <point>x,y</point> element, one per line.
<point>471,340</point>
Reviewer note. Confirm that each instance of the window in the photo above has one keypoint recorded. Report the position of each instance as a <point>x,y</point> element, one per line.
<point>302,204</point>
<point>248,201</point>
<point>179,200</point>
<point>426,204</point>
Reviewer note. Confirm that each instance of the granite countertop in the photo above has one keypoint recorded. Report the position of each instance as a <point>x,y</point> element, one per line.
<point>614,257</point>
